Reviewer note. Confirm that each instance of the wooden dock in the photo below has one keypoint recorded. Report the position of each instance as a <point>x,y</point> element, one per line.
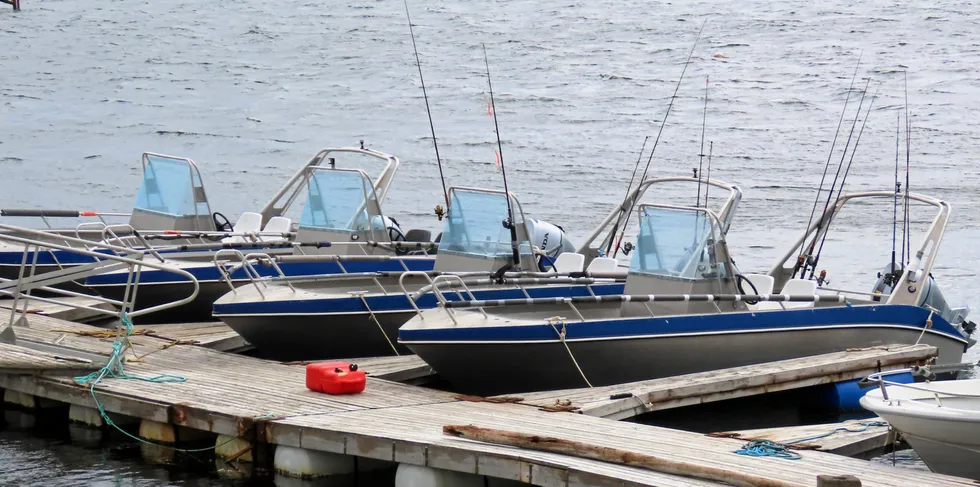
<point>861,438</point>
<point>211,334</point>
<point>69,313</point>
<point>628,400</point>
<point>227,394</point>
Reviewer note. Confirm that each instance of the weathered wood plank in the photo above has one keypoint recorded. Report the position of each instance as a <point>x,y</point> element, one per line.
<point>628,400</point>
<point>853,438</point>
<point>71,312</point>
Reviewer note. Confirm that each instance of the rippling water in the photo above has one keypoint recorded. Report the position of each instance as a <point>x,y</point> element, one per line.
<point>252,89</point>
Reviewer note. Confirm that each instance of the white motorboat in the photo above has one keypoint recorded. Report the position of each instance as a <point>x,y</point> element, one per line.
<point>940,420</point>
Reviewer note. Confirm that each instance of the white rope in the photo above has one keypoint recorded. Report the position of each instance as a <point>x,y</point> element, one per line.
<point>561,336</point>
<point>371,313</point>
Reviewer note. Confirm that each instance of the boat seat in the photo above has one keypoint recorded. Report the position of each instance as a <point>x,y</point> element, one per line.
<point>248,222</point>
<point>603,265</point>
<point>418,235</point>
<point>568,262</point>
<point>799,287</point>
<point>277,224</point>
<point>763,285</point>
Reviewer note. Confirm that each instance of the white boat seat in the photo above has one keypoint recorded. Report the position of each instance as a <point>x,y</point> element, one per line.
<point>603,265</point>
<point>248,222</point>
<point>799,287</point>
<point>568,262</point>
<point>763,285</point>
<point>277,224</point>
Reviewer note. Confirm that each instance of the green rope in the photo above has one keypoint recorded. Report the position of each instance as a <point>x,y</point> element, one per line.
<point>767,448</point>
<point>113,369</point>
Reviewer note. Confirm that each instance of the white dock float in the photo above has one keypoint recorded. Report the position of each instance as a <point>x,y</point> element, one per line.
<point>267,402</point>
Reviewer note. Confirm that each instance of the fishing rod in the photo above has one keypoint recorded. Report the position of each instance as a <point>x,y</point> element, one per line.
<point>816,199</point>
<point>628,188</point>
<point>425,96</point>
<point>500,158</point>
<point>707,184</point>
<point>806,260</point>
<point>656,141</point>
<point>840,191</point>
<point>906,218</point>
<point>704,120</point>
<point>891,276</point>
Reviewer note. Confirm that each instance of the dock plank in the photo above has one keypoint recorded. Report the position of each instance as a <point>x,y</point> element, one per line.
<point>852,438</point>
<point>214,335</point>
<point>70,312</point>
<point>627,400</point>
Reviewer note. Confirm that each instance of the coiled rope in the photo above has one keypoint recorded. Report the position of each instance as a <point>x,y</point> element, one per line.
<point>767,448</point>
<point>113,369</point>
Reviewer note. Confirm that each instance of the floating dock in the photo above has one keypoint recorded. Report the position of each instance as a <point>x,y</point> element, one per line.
<point>860,438</point>
<point>624,401</point>
<point>267,403</point>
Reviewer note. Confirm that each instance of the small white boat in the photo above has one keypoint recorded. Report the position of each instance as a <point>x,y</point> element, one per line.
<point>940,420</point>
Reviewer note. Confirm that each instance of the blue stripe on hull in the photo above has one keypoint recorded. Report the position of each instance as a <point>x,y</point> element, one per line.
<point>400,302</point>
<point>882,315</point>
<point>294,269</point>
<point>64,257</point>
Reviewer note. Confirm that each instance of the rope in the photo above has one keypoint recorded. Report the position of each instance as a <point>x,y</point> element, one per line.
<point>561,336</point>
<point>767,448</point>
<point>375,319</point>
<point>113,369</point>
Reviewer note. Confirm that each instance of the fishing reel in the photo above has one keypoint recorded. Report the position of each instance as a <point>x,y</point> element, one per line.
<point>822,278</point>
<point>440,212</point>
<point>627,248</point>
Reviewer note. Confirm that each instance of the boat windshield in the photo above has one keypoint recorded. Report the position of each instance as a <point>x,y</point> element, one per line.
<point>338,200</point>
<point>169,188</point>
<point>675,242</point>
<point>475,225</point>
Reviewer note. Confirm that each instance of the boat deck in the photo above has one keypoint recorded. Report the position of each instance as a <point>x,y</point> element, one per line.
<point>243,396</point>
<point>632,399</point>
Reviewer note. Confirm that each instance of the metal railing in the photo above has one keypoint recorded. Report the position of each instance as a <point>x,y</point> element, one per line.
<point>926,371</point>
<point>112,258</point>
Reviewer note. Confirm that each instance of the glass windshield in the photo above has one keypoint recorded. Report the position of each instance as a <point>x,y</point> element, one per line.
<point>339,200</point>
<point>475,225</point>
<point>675,242</point>
<point>168,188</point>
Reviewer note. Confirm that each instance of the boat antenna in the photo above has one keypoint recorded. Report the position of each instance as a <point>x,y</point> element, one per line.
<point>906,219</point>
<point>704,119</point>
<point>898,185</point>
<point>656,141</point>
<point>807,259</point>
<point>800,258</point>
<point>509,223</point>
<point>840,191</point>
<point>425,96</point>
<point>625,198</point>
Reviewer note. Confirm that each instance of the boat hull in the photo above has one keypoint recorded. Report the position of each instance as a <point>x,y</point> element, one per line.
<point>283,326</point>
<point>504,367</point>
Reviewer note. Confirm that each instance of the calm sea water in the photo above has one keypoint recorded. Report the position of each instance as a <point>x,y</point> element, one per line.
<point>251,89</point>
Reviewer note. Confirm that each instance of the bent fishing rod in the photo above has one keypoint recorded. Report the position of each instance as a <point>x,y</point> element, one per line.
<point>425,96</point>
<point>510,223</point>
<point>816,199</point>
<point>628,205</point>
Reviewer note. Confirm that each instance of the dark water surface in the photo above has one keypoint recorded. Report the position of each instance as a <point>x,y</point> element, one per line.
<point>252,89</point>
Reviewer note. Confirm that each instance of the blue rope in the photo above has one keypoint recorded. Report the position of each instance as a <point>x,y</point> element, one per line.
<point>113,369</point>
<point>767,448</point>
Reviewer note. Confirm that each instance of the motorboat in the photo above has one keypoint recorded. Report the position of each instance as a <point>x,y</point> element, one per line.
<point>316,317</point>
<point>940,420</point>
<point>686,309</point>
<point>341,220</point>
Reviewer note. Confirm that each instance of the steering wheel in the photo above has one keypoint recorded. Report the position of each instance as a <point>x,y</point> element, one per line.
<point>395,235</point>
<point>221,222</point>
<point>739,279</point>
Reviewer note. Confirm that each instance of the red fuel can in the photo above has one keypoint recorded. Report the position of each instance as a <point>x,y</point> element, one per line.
<point>335,378</point>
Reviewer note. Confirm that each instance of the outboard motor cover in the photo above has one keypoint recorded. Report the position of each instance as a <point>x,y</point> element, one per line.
<point>549,239</point>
